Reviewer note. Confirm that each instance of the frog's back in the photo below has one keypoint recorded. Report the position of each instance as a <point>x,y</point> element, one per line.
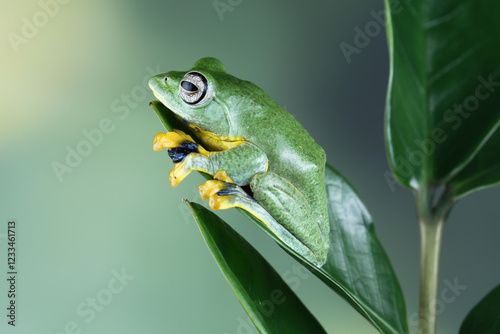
<point>290,149</point>
<point>288,145</point>
<point>299,156</point>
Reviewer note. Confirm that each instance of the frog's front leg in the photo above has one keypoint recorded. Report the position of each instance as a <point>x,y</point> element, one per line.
<point>240,162</point>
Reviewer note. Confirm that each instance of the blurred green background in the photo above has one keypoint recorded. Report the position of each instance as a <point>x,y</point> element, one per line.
<point>82,66</point>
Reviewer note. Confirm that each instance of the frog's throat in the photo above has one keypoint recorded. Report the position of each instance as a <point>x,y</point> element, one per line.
<point>213,141</point>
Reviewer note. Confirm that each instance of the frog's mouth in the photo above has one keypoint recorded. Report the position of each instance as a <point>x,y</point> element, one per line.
<point>171,108</point>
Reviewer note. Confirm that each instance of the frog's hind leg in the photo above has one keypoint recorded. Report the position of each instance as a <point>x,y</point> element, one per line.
<point>289,206</point>
<point>225,195</point>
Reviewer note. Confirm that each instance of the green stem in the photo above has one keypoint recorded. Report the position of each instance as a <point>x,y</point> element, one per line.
<point>430,245</point>
<point>431,220</point>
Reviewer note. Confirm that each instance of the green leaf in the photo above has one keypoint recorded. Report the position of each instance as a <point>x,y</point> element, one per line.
<point>443,102</point>
<point>270,303</point>
<point>167,117</point>
<point>484,318</point>
<point>357,267</point>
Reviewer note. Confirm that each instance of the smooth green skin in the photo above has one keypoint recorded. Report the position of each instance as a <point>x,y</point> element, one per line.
<point>291,190</point>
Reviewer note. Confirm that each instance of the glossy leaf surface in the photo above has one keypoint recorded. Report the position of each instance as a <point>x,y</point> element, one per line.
<point>443,103</point>
<point>267,299</point>
<point>357,266</point>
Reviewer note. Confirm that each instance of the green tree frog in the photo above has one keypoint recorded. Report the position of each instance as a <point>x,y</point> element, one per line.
<point>261,159</point>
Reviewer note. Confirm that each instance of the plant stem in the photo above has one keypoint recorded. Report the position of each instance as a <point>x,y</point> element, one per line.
<point>431,221</point>
<point>430,245</point>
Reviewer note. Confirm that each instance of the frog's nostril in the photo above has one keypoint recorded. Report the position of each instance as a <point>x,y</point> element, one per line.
<point>165,79</point>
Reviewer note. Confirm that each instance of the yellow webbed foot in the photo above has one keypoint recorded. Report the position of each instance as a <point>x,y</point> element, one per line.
<point>177,174</point>
<point>210,188</point>
<point>183,151</point>
<point>176,140</point>
<point>218,194</point>
<point>220,202</point>
<point>167,140</point>
<point>182,169</point>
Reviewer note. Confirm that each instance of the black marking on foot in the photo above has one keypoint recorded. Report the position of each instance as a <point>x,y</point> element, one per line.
<point>231,191</point>
<point>225,192</point>
<point>177,154</point>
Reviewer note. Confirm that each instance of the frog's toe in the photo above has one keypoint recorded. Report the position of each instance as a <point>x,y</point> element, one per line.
<point>219,193</point>
<point>178,174</point>
<point>221,200</point>
<point>173,178</point>
<point>210,188</point>
<point>167,140</point>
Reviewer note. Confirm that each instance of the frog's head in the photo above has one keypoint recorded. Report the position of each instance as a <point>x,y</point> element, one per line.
<point>191,95</point>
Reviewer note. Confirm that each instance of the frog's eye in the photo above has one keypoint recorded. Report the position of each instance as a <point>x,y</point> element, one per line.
<point>193,88</point>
